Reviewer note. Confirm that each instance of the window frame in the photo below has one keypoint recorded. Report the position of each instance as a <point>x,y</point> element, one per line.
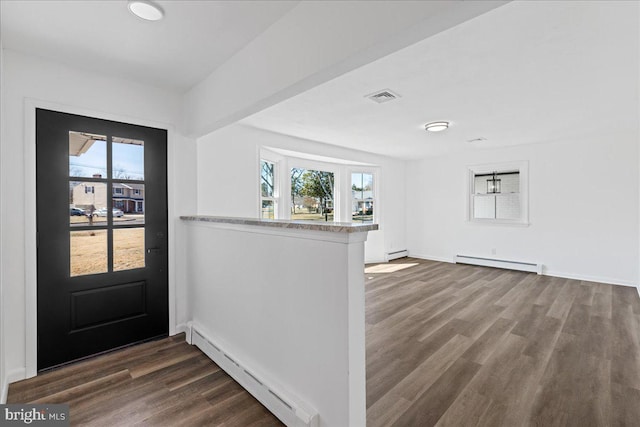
<point>342,169</point>
<point>375,194</point>
<point>276,187</point>
<point>298,163</point>
<point>523,168</point>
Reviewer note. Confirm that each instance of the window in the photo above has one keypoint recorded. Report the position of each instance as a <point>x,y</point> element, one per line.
<point>498,193</point>
<point>117,190</point>
<point>312,194</point>
<point>309,187</point>
<point>89,189</point>
<point>267,190</point>
<point>362,197</point>
<point>136,192</point>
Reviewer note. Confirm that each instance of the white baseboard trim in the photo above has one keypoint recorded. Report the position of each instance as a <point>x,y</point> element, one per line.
<point>11,377</point>
<point>181,327</point>
<point>375,261</point>
<point>531,267</point>
<point>431,257</point>
<point>18,374</point>
<point>292,411</point>
<point>587,278</point>
<point>4,391</point>
<point>546,272</point>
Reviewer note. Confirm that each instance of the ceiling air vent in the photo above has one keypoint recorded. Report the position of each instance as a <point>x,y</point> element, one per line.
<point>381,96</point>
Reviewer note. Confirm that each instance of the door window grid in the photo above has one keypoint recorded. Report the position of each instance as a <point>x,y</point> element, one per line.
<point>100,240</point>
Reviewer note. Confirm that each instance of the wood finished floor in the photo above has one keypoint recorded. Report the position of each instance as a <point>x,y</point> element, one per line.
<point>447,345</point>
<point>455,345</point>
<point>161,383</point>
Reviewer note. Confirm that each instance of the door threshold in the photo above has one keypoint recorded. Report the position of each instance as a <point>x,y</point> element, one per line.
<point>102,353</point>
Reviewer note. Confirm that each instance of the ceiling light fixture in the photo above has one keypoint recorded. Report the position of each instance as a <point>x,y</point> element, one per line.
<point>436,126</point>
<point>145,10</point>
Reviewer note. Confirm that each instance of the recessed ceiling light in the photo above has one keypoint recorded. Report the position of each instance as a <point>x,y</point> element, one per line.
<point>145,10</point>
<point>436,126</point>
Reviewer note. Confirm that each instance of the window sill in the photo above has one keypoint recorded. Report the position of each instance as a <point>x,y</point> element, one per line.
<point>498,222</point>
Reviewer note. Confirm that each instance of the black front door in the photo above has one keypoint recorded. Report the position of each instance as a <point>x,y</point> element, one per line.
<point>102,235</point>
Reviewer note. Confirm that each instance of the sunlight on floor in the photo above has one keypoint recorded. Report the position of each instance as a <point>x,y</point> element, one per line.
<point>388,268</point>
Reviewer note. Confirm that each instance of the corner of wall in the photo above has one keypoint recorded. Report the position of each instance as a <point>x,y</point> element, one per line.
<point>4,391</point>
<point>4,385</point>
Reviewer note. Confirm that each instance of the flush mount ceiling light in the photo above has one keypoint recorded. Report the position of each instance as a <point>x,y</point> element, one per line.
<point>436,126</point>
<point>145,10</point>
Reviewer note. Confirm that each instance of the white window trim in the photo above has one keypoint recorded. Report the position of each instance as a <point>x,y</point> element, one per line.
<point>342,170</point>
<point>276,187</point>
<point>376,191</point>
<point>523,167</point>
<point>295,162</point>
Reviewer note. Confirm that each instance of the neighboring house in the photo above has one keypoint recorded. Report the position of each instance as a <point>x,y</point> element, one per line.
<point>129,198</point>
<point>362,202</point>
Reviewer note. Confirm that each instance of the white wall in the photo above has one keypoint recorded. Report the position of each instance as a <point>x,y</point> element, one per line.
<point>266,297</point>
<point>228,180</point>
<point>583,205</point>
<point>26,80</point>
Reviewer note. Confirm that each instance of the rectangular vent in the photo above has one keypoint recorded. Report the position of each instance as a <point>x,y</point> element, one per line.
<point>232,361</point>
<point>382,96</point>
<point>253,377</point>
<point>284,402</point>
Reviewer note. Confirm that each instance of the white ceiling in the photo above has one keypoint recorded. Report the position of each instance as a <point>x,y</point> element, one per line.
<point>193,39</point>
<point>526,72</point>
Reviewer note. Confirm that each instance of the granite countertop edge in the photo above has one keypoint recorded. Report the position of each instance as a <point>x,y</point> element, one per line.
<point>334,227</point>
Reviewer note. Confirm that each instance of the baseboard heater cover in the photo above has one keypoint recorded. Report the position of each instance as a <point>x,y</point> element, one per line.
<point>499,263</point>
<point>290,410</point>
<point>396,254</point>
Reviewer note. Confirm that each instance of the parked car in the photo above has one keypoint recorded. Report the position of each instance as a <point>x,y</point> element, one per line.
<point>117,213</point>
<point>76,212</point>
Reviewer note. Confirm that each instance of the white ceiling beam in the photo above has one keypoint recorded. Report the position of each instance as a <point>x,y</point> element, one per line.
<point>314,43</point>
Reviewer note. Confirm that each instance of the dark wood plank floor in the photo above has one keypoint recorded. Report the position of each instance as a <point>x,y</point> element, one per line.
<point>447,345</point>
<point>455,345</point>
<point>161,383</point>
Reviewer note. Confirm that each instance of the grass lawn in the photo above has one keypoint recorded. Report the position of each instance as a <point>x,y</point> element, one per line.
<point>89,250</point>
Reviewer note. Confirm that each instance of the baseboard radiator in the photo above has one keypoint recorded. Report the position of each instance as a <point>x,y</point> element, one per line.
<point>396,254</point>
<point>290,410</point>
<point>499,263</point>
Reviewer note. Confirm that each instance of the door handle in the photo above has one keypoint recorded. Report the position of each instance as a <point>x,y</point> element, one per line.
<point>155,251</point>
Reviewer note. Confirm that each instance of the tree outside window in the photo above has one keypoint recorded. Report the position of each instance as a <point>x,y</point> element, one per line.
<point>267,190</point>
<point>312,195</point>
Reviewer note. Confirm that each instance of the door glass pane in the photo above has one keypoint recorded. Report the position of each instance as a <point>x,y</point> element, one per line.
<point>128,203</point>
<point>88,252</point>
<point>87,203</point>
<point>128,248</point>
<point>87,155</point>
<point>127,158</point>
